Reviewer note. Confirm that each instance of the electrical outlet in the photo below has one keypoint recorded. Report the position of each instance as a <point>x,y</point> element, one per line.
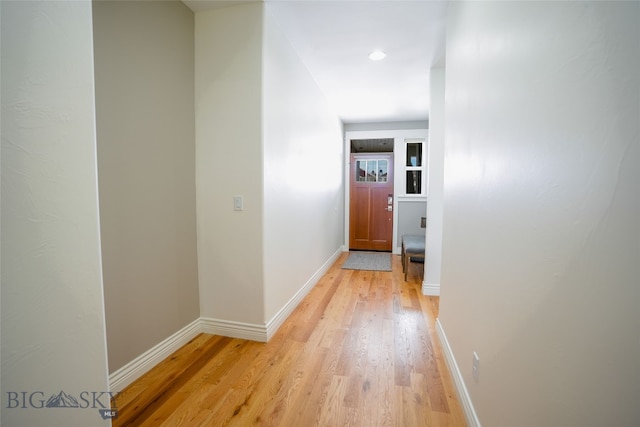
<point>475,370</point>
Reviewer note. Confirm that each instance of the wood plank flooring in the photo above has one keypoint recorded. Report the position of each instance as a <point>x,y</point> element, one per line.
<point>360,350</point>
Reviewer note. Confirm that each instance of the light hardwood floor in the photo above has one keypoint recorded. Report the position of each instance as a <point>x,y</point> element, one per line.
<point>360,350</point>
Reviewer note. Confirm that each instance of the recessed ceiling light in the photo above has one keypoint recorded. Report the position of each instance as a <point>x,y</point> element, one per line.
<point>377,55</point>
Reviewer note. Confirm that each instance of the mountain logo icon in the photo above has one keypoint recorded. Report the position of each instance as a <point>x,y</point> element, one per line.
<point>62,400</point>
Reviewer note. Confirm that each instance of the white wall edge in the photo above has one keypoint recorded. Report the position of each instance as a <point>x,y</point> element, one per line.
<point>463,394</point>
<point>150,358</point>
<point>274,324</point>
<point>411,199</point>
<point>432,289</point>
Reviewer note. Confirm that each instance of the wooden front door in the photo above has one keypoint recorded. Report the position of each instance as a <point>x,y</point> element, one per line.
<point>371,202</point>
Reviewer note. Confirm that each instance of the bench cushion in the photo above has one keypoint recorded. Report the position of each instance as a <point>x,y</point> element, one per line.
<point>413,244</point>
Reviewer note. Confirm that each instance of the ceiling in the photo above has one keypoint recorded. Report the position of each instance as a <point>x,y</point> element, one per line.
<point>334,38</point>
<point>375,145</point>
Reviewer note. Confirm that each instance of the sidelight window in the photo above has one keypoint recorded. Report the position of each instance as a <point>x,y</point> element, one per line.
<point>414,166</point>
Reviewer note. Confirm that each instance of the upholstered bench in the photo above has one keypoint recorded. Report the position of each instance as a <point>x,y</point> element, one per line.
<point>412,247</point>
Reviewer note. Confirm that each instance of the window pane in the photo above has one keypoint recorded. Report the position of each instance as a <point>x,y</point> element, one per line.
<point>372,166</point>
<point>361,170</point>
<point>372,170</point>
<point>383,170</point>
<point>414,182</point>
<point>414,154</point>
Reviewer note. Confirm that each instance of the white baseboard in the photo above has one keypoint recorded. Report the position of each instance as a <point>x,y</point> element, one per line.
<point>150,358</point>
<point>274,324</point>
<point>262,333</point>
<point>461,388</point>
<point>227,328</point>
<point>431,289</point>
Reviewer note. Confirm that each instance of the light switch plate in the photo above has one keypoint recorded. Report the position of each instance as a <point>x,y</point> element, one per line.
<point>238,203</point>
<point>475,370</point>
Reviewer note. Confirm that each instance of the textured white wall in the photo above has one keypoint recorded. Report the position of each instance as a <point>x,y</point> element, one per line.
<point>303,193</point>
<point>228,82</point>
<point>53,332</point>
<point>541,242</point>
<point>433,262</point>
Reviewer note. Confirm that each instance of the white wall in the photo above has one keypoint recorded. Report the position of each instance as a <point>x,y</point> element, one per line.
<point>229,158</point>
<point>144,62</point>
<point>303,186</point>
<point>410,214</point>
<point>433,262</point>
<point>263,131</point>
<point>53,332</point>
<point>541,237</point>
<point>384,126</point>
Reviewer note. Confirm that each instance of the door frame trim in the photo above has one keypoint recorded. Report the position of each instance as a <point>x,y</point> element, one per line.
<point>398,138</point>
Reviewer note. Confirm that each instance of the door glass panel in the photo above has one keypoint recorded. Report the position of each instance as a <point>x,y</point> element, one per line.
<point>383,170</point>
<point>361,170</point>
<point>414,182</point>
<point>372,167</point>
<point>372,170</point>
<point>414,154</point>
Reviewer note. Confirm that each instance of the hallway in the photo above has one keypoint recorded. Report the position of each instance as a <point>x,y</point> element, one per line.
<point>360,349</point>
